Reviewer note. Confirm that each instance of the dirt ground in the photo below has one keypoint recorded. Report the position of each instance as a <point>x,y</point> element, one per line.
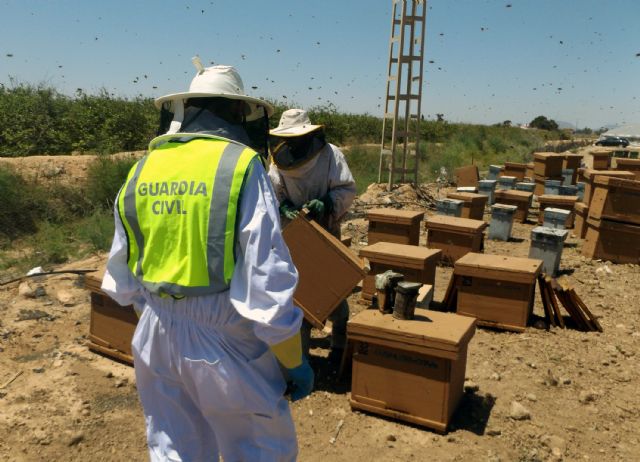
<point>59,401</point>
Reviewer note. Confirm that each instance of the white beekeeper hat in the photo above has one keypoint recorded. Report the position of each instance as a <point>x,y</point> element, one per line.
<point>215,81</point>
<point>294,122</point>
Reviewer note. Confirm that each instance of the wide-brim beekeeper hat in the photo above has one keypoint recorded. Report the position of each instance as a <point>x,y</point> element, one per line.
<point>294,122</point>
<point>215,81</point>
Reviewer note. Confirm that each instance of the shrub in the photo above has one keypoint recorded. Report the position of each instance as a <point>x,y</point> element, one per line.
<point>105,178</point>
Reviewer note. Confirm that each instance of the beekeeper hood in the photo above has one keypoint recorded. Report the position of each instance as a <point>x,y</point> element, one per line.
<point>215,81</point>
<point>296,141</point>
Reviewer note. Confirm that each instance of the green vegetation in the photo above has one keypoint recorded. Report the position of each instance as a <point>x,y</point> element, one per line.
<point>52,224</point>
<point>39,120</point>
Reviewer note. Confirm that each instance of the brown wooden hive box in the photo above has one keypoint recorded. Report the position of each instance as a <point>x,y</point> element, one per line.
<point>558,202</point>
<point>590,175</point>
<point>390,225</point>
<point>410,370</point>
<point>521,199</point>
<point>629,165</point>
<point>516,169</point>
<point>473,206</point>
<point>529,171</point>
<point>328,270</point>
<point>417,264</point>
<point>111,326</point>
<point>580,223</point>
<point>601,159</point>
<point>612,241</point>
<point>497,290</point>
<point>547,164</point>
<point>467,176</point>
<point>455,236</point>
<point>615,199</point>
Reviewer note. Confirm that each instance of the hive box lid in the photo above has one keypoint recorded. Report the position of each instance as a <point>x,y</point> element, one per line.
<point>93,281</point>
<point>514,194</point>
<point>590,173</point>
<point>601,153</point>
<point>572,156</point>
<point>402,217</point>
<point>543,156</point>
<point>515,165</point>
<point>328,271</point>
<point>443,332</point>
<point>446,223</point>
<point>411,256</point>
<point>556,199</point>
<point>467,196</point>
<point>500,267</point>
<point>617,182</point>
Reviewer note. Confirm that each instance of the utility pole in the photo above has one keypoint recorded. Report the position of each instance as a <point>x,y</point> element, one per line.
<point>400,146</point>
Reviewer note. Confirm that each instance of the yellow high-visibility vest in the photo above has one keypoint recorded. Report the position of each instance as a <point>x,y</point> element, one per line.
<point>179,208</point>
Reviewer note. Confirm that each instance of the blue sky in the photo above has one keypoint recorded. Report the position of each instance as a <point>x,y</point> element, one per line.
<point>572,60</point>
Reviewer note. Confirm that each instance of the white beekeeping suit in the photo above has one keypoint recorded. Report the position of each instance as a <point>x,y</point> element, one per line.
<point>207,365</point>
<point>307,169</point>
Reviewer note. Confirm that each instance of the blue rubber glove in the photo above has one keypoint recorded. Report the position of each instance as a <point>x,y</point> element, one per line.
<point>301,380</point>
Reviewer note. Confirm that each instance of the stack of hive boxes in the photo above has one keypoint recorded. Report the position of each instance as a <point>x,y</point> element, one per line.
<point>582,208</point>
<point>613,226</point>
<point>546,166</point>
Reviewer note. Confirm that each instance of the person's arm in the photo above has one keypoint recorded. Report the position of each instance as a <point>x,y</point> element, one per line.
<point>118,282</point>
<point>265,278</point>
<point>342,187</point>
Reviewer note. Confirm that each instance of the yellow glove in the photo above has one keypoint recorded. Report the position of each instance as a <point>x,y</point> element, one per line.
<point>289,352</point>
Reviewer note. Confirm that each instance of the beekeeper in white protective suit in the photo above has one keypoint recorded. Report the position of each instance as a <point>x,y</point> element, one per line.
<point>307,172</point>
<point>198,251</point>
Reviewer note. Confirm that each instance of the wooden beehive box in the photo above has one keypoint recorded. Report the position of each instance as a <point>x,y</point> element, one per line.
<point>328,271</point>
<point>521,199</point>
<point>547,164</point>
<point>612,241</point>
<point>473,206</point>
<point>529,171</point>
<point>455,236</point>
<point>629,165</point>
<point>615,199</point>
<point>519,170</point>
<point>497,290</point>
<point>391,225</point>
<point>111,326</point>
<point>467,176</point>
<point>580,223</point>
<point>601,159</point>
<point>411,370</point>
<point>590,175</point>
<point>558,202</point>
<point>417,264</point>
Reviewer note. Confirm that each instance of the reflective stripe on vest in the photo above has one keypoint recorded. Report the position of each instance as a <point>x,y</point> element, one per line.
<point>179,208</point>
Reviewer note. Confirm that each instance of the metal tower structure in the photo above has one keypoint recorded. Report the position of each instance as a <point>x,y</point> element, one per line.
<point>401,122</point>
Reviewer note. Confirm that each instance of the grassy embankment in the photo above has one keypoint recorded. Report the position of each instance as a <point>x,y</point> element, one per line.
<point>41,225</point>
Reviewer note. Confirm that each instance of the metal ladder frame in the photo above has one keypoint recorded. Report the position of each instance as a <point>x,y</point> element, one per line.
<point>406,130</point>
